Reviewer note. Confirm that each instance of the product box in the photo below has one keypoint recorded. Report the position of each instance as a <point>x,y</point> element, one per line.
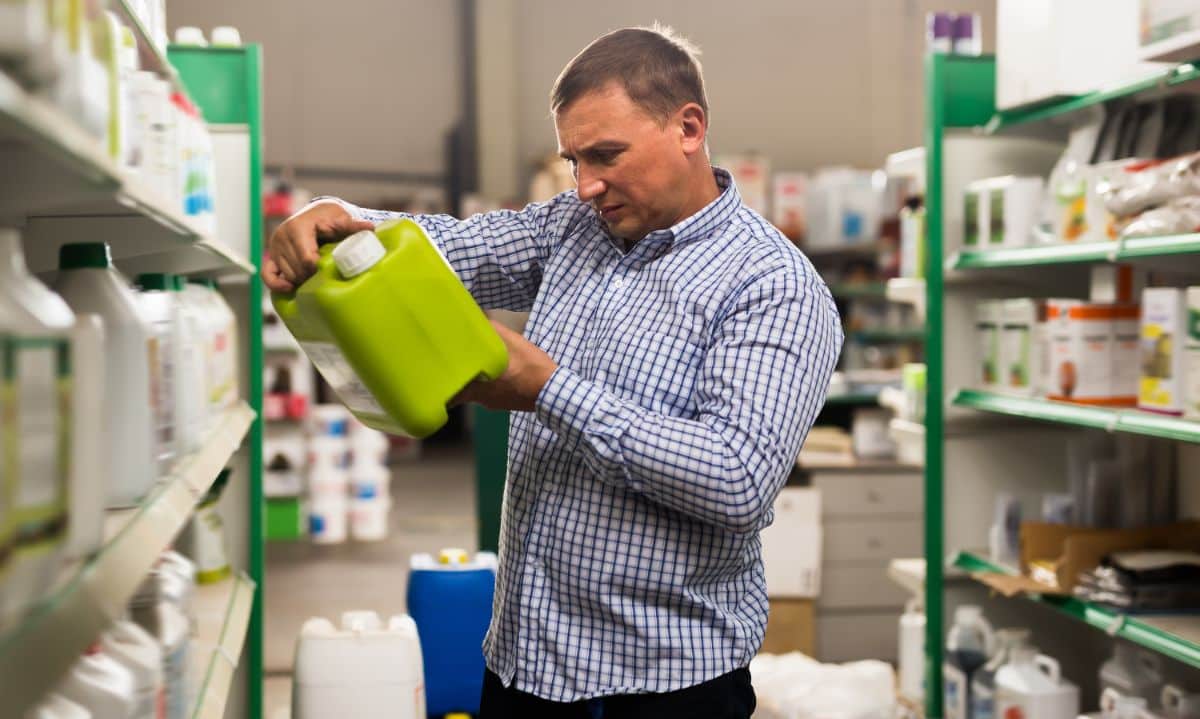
<point>1054,555</point>
<point>791,546</point>
<point>752,174</point>
<point>1126,351</point>
<point>1163,334</point>
<point>791,627</point>
<point>1018,356</point>
<point>1001,211</point>
<point>1191,355</point>
<point>987,334</point>
<point>788,203</point>
<point>1082,358</point>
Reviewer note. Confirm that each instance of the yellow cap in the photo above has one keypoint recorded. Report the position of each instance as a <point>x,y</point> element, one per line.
<point>457,715</point>
<point>453,556</point>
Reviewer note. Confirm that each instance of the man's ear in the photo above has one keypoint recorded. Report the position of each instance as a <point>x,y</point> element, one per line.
<point>693,128</point>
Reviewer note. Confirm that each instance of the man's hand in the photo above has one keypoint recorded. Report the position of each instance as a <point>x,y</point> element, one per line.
<point>529,369</point>
<point>292,250</point>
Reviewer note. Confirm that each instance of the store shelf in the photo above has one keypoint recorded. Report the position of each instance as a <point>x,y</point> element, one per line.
<point>858,290</point>
<point>222,620</point>
<point>1176,636</point>
<point>1113,420</point>
<point>62,181</point>
<point>150,56</point>
<point>909,291</point>
<point>1164,80</point>
<point>1127,250</point>
<point>92,594</point>
<point>886,336</point>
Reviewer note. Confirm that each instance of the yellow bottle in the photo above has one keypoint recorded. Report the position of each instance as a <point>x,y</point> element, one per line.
<point>392,329</point>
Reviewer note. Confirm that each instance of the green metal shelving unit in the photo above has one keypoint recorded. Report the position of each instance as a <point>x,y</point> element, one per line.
<point>226,84</point>
<point>960,95</point>
<point>1181,644</point>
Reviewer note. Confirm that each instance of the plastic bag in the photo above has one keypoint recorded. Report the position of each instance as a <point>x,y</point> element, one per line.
<point>795,686</point>
<point>1146,184</point>
<point>1180,216</point>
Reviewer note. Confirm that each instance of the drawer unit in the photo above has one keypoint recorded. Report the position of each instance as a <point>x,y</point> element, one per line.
<point>856,636</point>
<point>859,586</point>
<point>873,540</point>
<point>870,494</point>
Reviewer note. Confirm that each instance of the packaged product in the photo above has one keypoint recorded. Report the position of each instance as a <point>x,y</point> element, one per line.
<point>987,333</point>
<point>1163,335</point>
<point>1082,366</point>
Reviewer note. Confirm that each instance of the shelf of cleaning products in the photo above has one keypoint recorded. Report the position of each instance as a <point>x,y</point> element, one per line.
<point>63,182</point>
<point>1132,249</point>
<point>1106,418</point>
<point>222,620</point>
<point>1165,79</point>
<point>858,290</point>
<point>35,653</point>
<point>150,56</point>
<point>1176,636</point>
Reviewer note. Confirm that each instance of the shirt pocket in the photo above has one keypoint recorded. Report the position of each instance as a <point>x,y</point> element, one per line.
<point>657,371</point>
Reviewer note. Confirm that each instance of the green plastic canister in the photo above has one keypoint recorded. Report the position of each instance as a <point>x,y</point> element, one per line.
<point>392,329</point>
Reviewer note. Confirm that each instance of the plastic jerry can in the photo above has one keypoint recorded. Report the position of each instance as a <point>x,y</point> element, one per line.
<point>361,669</point>
<point>140,653</point>
<point>56,706</point>
<point>1031,686</point>
<point>392,329</point>
<point>451,601</point>
<point>100,684</point>
<point>1133,672</point>
<point>88,283</point>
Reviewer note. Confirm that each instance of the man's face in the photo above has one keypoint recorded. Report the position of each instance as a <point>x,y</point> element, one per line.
<point>628,166</point>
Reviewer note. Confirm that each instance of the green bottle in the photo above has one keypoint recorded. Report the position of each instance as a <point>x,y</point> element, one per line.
<point>392,329</point>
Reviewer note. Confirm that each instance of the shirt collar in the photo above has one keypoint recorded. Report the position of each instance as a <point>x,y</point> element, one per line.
<point>701,224</point>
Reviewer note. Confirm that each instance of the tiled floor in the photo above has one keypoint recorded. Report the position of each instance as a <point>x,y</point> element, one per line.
<point>433,507</point>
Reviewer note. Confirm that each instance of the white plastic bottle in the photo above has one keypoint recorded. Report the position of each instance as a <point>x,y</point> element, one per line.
<point>100,684</point>
<point>191,402</point>
<point>360,670</point>
<point>196,298</point>
<point>912,651</point>
<point>137,651</point>
<point>1031,686</point>
<point>156,301</point>
<point>56,706</point>
<point>169,625</point>
<point>36,418</point>
<point>88,283</point>
<point>224,391</point>
<point>968,647</point>
<point>85,409</point>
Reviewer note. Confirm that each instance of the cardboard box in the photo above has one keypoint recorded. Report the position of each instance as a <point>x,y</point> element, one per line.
<point>1054,555</point>
<point>791,627</point>
<point>1163,335</point>
<point>1001,211</point>
<point>1018,360</point>
<point>987,334</point>
<point>1127,352</point>
<point>791,546</point>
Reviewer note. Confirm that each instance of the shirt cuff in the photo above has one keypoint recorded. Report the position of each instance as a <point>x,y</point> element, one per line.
<point>568,403</point>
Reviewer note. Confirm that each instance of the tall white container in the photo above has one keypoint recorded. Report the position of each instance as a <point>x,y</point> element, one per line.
<point>142,655</point>
<point>911,667</point>
<point>100,684</point>
<point>362,669</point>
<point>1031,686</point>
<point>89,284</point>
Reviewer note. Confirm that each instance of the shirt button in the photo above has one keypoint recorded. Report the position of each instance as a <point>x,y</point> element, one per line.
<point>618,283</point>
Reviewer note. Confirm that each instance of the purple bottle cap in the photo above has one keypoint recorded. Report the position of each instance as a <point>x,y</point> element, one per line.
<point>964,26</point>
<point>939,25</point>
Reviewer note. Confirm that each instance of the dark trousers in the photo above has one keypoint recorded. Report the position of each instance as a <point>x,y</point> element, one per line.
<point>729,696</point>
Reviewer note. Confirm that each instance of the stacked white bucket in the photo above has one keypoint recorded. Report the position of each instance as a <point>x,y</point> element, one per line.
<point>348,478</point>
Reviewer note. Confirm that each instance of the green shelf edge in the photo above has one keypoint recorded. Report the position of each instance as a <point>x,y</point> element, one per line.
<point>894,336</point>
<point>1132,249</point>
<point>1112,419</point>
<point>1177,75</point>
<point>851,398</point>
<point>1129,628</point>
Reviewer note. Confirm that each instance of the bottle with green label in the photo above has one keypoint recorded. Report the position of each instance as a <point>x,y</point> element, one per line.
<point>392,329</point>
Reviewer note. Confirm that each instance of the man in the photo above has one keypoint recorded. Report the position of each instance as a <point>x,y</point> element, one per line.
<point>677,352</point>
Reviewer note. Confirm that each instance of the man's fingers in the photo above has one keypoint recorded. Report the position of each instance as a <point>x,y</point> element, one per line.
<point>272,277</point>
<point>287,272</point>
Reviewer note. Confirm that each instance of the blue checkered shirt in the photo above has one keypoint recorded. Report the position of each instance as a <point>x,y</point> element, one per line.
<point>691,367</point>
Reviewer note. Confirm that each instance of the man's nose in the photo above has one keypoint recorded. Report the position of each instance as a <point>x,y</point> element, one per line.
<point>589,187</point>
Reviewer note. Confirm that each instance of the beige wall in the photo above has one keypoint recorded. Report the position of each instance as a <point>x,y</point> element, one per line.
<point>374,83</point>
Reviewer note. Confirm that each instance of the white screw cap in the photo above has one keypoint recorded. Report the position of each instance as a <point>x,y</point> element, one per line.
<point>188,35</point>
<point>226,36</point>
<point>358,253</point>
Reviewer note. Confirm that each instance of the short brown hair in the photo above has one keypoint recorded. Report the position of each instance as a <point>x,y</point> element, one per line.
<point>657,68</point>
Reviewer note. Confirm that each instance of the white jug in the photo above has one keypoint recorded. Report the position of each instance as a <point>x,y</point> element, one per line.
<point>1031,686</point>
